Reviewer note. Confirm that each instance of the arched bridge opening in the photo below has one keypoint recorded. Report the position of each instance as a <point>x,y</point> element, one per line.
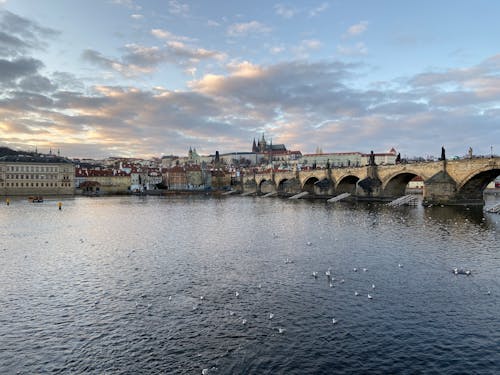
<point>282,186</point>
<point>289,186</point>
<point>399,185</point>
<point>347,185</point>
<point>266,186</point>
<point>473,188</point>
<point>309,185</point>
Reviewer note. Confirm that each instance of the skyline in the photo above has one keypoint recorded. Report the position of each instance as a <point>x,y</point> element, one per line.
<point>139,79</point>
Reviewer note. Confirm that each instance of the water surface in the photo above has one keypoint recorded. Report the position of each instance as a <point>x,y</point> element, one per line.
<point>130,285</point>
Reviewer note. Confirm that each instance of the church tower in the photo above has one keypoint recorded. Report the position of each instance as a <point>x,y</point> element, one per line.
<point>262,144</point>
<point>254,146</point>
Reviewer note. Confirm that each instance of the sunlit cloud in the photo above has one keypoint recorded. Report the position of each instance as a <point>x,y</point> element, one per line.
<point>167,35</point>
<point>246,28</point>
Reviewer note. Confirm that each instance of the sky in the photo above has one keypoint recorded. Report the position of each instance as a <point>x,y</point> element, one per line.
<point>135,78</point>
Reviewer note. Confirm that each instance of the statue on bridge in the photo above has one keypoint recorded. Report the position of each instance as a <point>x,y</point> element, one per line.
<point>443,154</point>
<point>371,161</point>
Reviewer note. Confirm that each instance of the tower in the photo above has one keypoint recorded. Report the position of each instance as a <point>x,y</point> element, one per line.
<point>262,144</point>
<point>254,146</point>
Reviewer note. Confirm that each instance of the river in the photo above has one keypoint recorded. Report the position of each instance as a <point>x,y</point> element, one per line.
<point>152,285</point>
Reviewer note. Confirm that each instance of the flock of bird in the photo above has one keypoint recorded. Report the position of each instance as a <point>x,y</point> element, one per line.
<point>330,278</point>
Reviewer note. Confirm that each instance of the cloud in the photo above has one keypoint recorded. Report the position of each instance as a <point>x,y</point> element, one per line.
<point>129,4</point>
<point>37,84</point>
<point>305,46</point>
<point>246,28</point>
<point>181,51</point>
<point>167,35</point>
<point>318,9</point>
<point>276,49</point>
<point>285,11</point>
<point>11,70</point>
<point>178,8</point>
<point>213,23</point>
<point>301,103</point>
<point>357,29</point>
<point>67,81</point>
<point>137,16</point>
<point>19,35</point>
<point>357,49</point>
<point>127,70</point>
<point>138,60</point>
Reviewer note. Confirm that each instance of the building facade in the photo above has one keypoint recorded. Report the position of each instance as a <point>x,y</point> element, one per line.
<point>105,181</point>
<point>36,175</point>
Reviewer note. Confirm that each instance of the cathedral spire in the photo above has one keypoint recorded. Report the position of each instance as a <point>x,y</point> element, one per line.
<point>254,146</point>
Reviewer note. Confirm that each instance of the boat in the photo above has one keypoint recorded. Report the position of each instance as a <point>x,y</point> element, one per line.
<point>35,199</point>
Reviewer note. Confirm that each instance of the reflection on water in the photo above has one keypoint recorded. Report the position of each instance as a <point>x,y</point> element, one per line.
<point>149,285</point>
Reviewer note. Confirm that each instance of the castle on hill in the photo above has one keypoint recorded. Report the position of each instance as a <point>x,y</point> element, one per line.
<point>262,146</point>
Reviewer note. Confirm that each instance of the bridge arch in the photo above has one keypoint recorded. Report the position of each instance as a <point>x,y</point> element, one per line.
<point>347,184</point>
<point>309,184</point>
<point>472,187</point>
<point>282,185</point>
<point>266,186</point>
<point>395,186</point>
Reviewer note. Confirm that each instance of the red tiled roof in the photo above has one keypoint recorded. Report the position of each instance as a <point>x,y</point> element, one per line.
<point>99,173</point>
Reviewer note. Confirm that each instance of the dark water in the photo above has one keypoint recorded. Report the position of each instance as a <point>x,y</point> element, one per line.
<point>114,286</point>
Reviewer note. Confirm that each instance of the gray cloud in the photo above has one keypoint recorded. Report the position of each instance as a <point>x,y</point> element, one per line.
<point>37,83</point>
<point>11,70</point>
<point>18,35</point>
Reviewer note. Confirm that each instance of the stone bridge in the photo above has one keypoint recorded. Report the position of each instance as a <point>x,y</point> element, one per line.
<point>448,182</point>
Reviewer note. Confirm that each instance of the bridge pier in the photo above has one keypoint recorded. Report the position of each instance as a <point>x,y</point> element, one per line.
<point>441,189</point>
<point>369,188</point>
